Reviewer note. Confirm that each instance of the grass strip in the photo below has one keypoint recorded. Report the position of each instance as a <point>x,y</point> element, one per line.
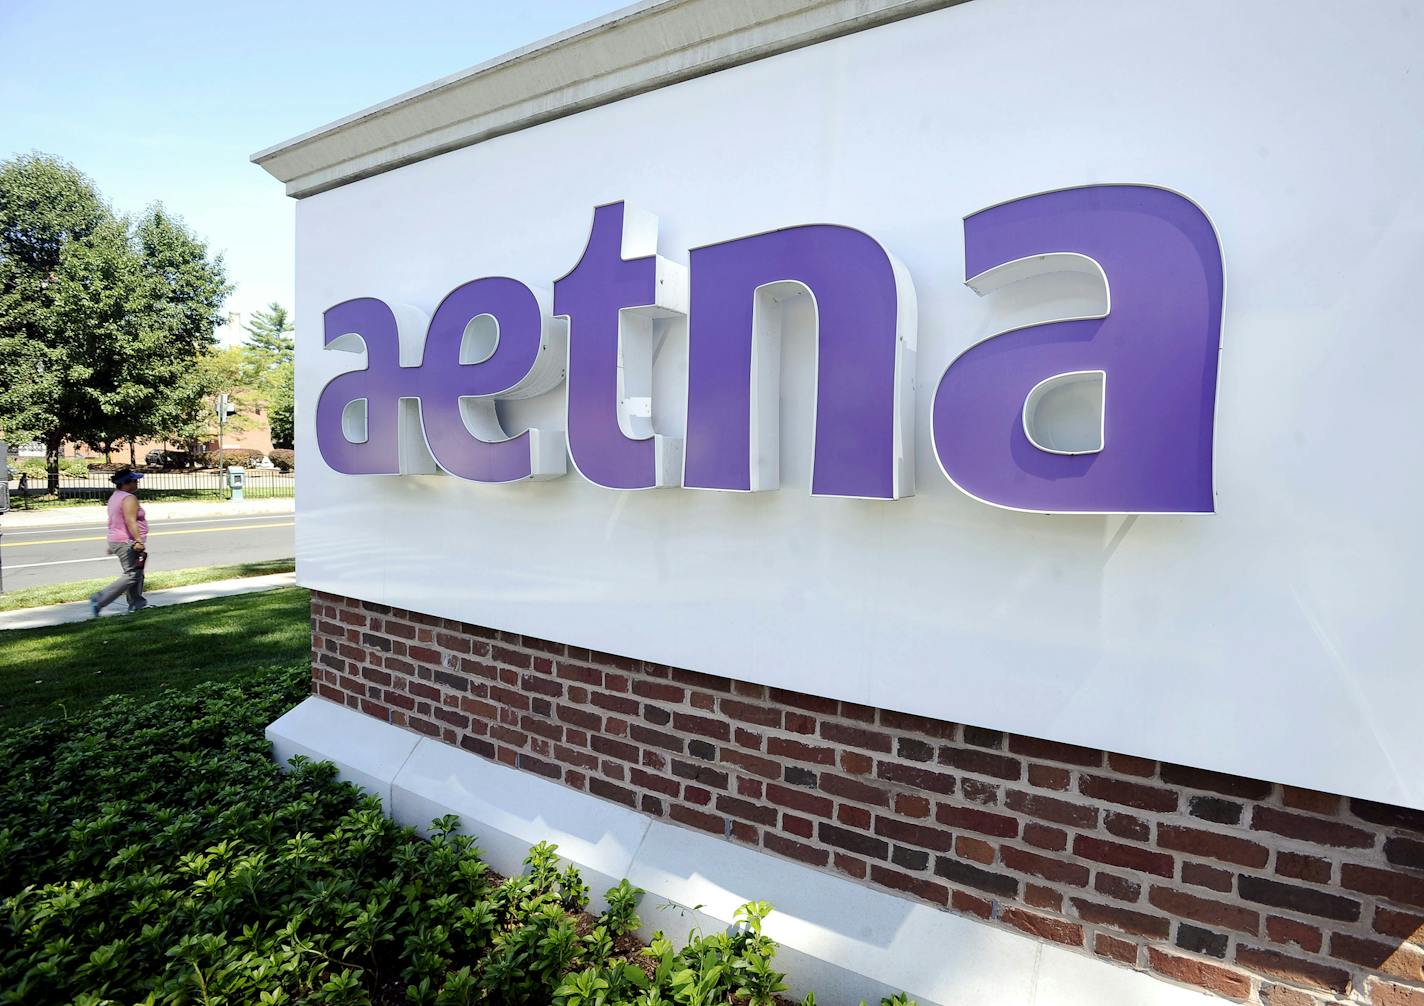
<point>61,670</point>
<point>63,593</point>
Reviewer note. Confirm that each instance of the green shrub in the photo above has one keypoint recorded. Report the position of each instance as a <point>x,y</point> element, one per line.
<point>74,468</point>
<point>155,854</point>
<point>233,456</point>
<point>284,460</point>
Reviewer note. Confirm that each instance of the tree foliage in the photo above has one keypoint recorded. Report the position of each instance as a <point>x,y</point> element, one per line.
<point>218,370</point>
<point>102,318</point>
<point>269,350</point>
<point>47,209</point>
<point>270,338</point>
<point>281,408</point>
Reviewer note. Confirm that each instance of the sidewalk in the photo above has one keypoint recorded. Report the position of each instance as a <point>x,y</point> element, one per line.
<point>18,520</point>
<point>78,611</point>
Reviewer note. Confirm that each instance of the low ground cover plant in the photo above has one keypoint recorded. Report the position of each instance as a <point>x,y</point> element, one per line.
<point>153,853</point>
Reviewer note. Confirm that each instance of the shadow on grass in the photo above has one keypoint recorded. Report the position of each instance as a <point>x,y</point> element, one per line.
<point>78,590</point>
<point>60,670</point>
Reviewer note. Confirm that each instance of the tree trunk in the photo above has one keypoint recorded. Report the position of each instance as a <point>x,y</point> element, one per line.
<point>53,445</point>
<point>132,462</point>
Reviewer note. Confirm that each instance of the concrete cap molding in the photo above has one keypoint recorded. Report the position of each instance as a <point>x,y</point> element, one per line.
<point>367,752</point>
<point>639,48</point>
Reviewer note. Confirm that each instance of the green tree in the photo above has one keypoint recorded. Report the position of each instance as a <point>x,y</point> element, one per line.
<point>47,208</point>
<point>101,320</point>
<point>217,371</point>
<point>270,340</point>
<point>185,289</point>
<point>97,310</point>
<point>280,410</point>
<point>270,349</point>
<point>194,420</point>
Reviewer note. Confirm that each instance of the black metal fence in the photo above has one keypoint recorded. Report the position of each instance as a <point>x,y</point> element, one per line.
<point>38,490</point>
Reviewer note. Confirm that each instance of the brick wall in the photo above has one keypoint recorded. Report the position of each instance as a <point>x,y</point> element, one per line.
<point>1254,891</point>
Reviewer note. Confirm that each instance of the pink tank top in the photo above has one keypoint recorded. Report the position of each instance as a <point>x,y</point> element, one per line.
<point>118,529</point>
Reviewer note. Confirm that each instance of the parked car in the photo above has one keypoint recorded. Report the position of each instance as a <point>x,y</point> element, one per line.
<point>168,459</point>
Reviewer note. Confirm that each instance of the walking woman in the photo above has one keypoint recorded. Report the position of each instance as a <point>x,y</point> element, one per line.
<point>128,537</point>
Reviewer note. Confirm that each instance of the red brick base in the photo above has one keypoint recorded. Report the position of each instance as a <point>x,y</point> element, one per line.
<point>1250,890</point>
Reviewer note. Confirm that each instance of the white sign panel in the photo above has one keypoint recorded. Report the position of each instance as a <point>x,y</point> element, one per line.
<point>1048,368</point>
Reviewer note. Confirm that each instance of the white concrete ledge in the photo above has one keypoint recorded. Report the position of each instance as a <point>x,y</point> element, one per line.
<point>845,941</point>
<point>511,810</point>
<point>639,48</point>
<point>365,751</point>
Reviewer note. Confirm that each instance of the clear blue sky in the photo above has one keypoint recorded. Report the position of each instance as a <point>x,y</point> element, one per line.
<point>165,100</point>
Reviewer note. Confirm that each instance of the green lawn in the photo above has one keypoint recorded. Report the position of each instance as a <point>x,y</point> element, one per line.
<point>60,670</point>
<point>60,593</point>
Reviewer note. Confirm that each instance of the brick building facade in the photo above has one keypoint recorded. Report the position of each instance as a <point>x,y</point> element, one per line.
<point>1244,888</point>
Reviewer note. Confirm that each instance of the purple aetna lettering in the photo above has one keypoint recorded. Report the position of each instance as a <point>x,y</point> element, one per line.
<point>1148,366</point>
<point>381,383</point>
<point>602,286</point>
<point>488,456</point>
<point>1156,351</point>
<point>864,362</point>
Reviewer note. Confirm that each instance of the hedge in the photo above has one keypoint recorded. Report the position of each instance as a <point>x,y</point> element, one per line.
<point>78,468</point>
<point>243,456</point>
<point>155,854</point>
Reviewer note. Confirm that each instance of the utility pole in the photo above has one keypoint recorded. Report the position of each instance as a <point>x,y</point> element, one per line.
<point>224,409</point>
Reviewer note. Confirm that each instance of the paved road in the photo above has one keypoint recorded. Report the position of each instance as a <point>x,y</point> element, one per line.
<point>38,556</point>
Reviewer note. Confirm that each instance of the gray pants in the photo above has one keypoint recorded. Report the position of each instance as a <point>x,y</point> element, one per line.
<point>130,582</point>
